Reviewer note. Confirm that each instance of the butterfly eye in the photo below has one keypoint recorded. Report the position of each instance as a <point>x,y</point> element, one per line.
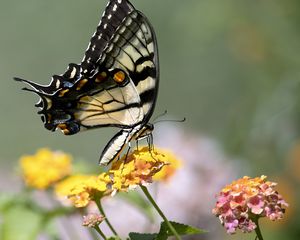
<point>119,76</point>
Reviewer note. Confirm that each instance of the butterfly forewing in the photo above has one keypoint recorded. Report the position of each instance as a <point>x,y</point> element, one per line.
<point>131,50</point>
<point>114,14</point>
<point>134,49</point>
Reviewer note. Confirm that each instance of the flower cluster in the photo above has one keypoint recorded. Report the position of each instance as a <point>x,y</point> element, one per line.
<point>79,190</point>
<point>139,167</point>
<point>92,220</point>
<point>241,203</point>
<point>45,168</point>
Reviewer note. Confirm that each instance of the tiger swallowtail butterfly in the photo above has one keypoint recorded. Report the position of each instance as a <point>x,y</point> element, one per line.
<point>116,83</point>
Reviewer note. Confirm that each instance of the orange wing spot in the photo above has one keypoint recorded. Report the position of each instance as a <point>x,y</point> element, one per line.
<point>63,127</point>
<point>100,77</point>
<point>81,83</point>
<point>63,92</point>
<point>119,76</point>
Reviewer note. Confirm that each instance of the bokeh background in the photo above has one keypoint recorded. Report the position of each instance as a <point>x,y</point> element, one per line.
<point>232,68</point>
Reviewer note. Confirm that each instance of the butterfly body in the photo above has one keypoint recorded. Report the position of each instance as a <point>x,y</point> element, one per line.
<point>115,85</point>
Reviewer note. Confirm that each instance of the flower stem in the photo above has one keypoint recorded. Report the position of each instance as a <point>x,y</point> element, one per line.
<point>100,232</point>
<point>93,234</point>
<point>172,229</point>
<point>99,205</point>
<point>257,230</point>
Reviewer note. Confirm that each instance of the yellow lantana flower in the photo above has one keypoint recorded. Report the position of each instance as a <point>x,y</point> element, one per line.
<point>63,188</point>
<point>45,168</point>
<point>80,190</point>
<point>170,168</point>
<point>139,168</point>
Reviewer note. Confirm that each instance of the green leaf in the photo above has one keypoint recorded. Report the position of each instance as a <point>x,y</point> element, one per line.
<point>142,236</point>
<point>19,223</point>
<point>51,230</point>
<point>162,235</point>
<point>181,229</point>
<point>6,200</point>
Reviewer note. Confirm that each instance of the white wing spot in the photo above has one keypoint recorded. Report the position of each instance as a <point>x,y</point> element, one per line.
<point>120,1</point>
<point>100,36</point>
<point>105,26</point>
<point>57,84</point>
<point>115,7</point>
<point>72,75</point>
<point>109,16</point>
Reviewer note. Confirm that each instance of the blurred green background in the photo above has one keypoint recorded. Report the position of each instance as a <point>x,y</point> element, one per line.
<point>232,68</point>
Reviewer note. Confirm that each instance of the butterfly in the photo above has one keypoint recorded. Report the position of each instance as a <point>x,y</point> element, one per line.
<point>116,83</point>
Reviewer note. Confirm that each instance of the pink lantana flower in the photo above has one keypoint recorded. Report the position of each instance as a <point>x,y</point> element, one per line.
<point>240,204</point>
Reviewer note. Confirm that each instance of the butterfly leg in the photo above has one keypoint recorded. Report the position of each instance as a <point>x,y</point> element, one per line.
<point>150,145</point>
<point>137,144</point>
<point>126,157</point>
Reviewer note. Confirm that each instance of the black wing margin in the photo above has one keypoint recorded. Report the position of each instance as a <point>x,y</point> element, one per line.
<point>115,12</point>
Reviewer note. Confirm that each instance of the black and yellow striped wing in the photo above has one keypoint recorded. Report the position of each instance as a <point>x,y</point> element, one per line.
<point>130,60</point>
<point>115,85</point>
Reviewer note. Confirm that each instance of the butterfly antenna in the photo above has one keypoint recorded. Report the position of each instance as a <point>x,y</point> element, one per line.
<point>171,120</point>
<point>160,115</point>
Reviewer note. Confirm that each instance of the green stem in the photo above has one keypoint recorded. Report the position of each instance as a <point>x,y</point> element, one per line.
<point>257,230</point>
<point>93,234</point>
<point>100,232</point>
<point>99,205</point>
<point>172,229</point>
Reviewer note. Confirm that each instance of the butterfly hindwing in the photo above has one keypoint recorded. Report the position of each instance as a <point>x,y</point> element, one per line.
<point>113,104</point>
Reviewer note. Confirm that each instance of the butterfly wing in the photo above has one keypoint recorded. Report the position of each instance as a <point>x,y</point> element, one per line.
<point>133,51</point>
<point>116,11</point>
<point>116,83</point>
